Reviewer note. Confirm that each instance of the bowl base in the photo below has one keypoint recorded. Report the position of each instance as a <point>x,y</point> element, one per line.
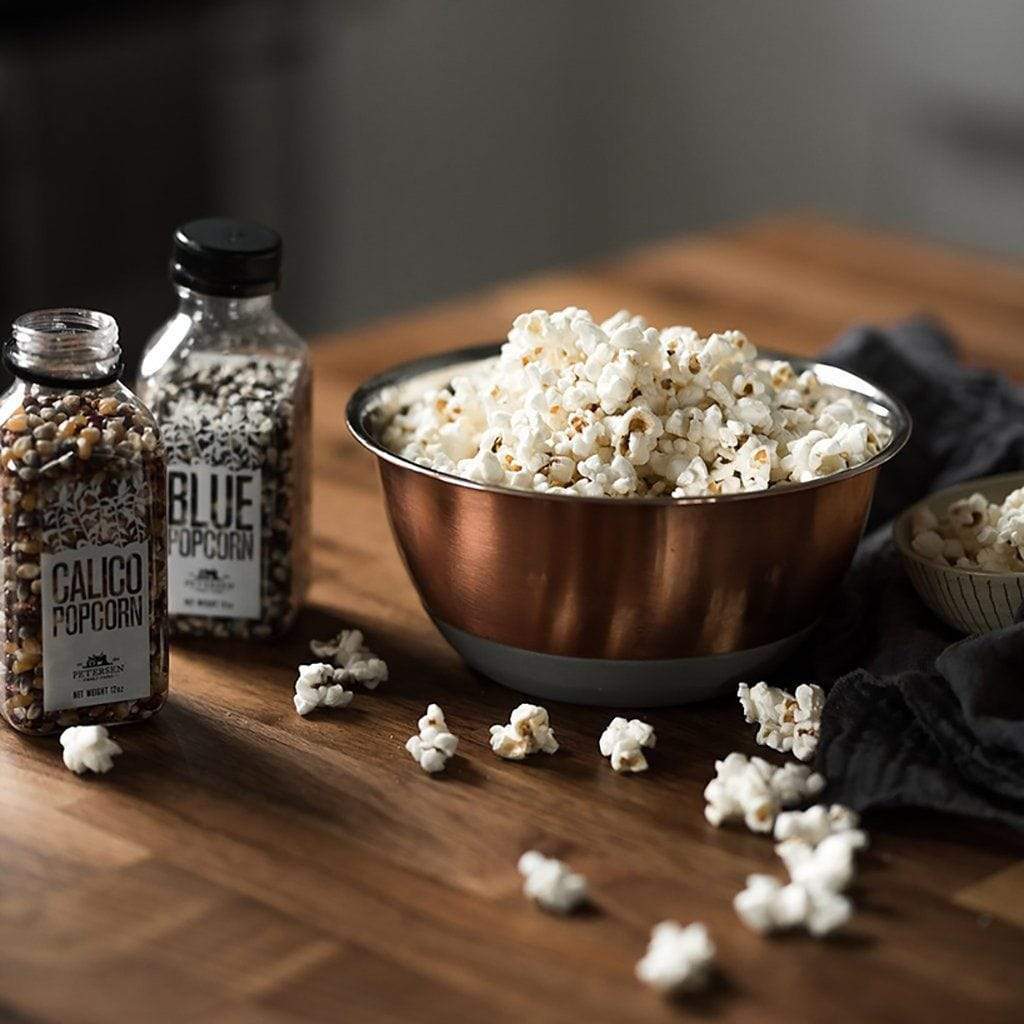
<point>607,683</point>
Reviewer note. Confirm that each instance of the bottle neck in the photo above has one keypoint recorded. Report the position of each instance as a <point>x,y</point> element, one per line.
<point>222,308</point>
<point>65,348</point>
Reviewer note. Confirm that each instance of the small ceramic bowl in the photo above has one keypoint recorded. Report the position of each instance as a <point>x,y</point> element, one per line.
<point>970,600</point>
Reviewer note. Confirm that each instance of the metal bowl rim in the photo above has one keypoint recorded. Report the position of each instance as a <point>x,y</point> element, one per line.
<point>909,554</point>
<point>356,409</point>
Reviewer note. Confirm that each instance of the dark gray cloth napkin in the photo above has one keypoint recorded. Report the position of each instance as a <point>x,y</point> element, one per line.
<point>917,716</point>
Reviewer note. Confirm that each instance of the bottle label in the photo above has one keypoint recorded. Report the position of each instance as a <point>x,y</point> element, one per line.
<point>214,540</point>
<point>96,601</point>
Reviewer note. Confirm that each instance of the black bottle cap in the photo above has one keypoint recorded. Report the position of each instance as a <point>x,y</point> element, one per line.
<point>220,256</point>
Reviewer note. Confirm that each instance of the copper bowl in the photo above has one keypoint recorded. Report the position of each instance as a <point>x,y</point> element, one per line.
<point>612,601</point>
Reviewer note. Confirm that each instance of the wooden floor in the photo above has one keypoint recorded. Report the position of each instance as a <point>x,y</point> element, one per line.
<point>242,864</point>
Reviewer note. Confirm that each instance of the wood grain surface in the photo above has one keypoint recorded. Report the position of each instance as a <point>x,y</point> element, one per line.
<point>242,864</point>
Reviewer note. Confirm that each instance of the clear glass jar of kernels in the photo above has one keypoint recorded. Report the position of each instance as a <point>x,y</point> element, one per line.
<point>229,383</point>
<point>83,608</point>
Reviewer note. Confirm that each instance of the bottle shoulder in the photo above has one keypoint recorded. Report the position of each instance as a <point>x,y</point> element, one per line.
<point>20,393</point>
<point>182,336</point>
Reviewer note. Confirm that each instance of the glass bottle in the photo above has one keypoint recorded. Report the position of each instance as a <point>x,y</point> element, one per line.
<point>229,383</point>
<point>83,532</point>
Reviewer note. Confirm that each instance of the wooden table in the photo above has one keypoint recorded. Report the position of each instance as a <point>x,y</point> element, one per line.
<point>242,864</point>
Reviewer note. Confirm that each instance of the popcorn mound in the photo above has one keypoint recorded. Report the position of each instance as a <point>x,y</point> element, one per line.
<point>973,533</point>
<point>622,409</point>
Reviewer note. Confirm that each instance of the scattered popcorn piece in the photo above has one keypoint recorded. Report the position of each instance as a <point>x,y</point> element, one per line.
<point>788,722</point>
<point>973,533</point>
<point>623,741</point>
<point>815,823</point>
<point>353,657</point>
<point>755,791</point>
<point>306,698</point>
<point>88,748</point>
<point>828,866</point>
<point>678,959</point>
<point>618,408</point>
<point>793,783</point>
<point>766,905</point>
<point>435,744</point>
<point>551,883</point>
<point>320,685</point>
<point>826,911</point>
<point>528,732</point>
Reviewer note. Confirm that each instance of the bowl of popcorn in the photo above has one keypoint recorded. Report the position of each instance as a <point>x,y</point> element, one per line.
<point>964,551</point>
<point>608,513</point>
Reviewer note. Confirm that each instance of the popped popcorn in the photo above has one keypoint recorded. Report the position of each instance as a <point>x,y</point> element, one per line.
<point>527,732</point>
<point>787,722</point>
<point>320,685</point>
<point>755,791</point>
<point>88,748</point>
<point>623,741</point>
<point>350,654</point>
<point>815,823</point>
<point>434,744</point>
<point>973,533</point>
<point>793,783</point>
<point>766,905</point>
<point>620,409</point>
<point>817,848</point>
<point>829,865</point>
<point>678,959</point>
<point>551,883</point>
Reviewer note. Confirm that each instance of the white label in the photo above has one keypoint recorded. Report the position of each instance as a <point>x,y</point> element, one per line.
<point>214,535</point>
<point>95,625</point>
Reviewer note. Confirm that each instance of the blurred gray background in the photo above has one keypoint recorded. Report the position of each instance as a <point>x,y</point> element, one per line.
<point>409,150</point>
